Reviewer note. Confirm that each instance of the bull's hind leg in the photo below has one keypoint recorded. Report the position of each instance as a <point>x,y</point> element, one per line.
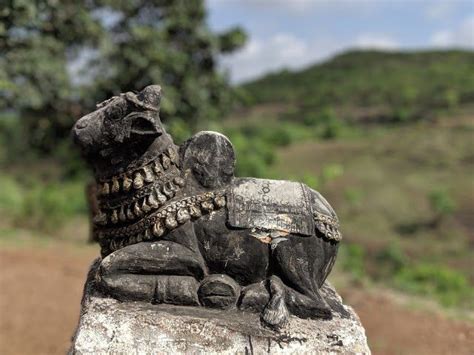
<point>307,307</point>
<point>157,272</point>
<point>303,264</point>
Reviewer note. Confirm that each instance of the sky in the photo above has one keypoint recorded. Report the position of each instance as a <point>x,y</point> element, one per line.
<point>293,34</point>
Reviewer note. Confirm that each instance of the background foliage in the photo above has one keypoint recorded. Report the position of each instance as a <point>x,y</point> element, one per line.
<point>386,137</point>
<point>108,47</point>
<point>371,86</point>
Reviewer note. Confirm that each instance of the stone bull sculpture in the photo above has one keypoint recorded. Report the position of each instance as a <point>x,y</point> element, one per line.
<point>176,226</point>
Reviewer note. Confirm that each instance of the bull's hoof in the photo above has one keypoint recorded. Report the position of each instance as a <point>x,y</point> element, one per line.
<point>219,291</point>
<point>306,307</point>
<point>276,313</point>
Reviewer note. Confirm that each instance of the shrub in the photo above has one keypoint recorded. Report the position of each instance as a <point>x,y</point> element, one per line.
<point>352,260</point>
<point>311,119</point>
<point>402,114</point>
<point>179,130</point>
<point>451,98</point>
<point>450,287</point>
<point>330,172</point>
<point>390,260</point>
<point>441,202</point>
<point>41,205</point>
<point>279,136</point>
<point>332,128</point>
<point>11,138</point>
<point>11,196</point>
<point>310,180</point>
<point>353,196</point>
<point>254,155</point>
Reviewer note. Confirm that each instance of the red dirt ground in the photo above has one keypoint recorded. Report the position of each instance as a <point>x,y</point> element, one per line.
<point>41,290</point>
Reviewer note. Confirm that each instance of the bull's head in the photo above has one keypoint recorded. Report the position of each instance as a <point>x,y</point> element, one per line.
<point>123,132</point>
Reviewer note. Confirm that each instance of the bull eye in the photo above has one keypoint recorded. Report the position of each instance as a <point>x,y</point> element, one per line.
<point>116,112</point>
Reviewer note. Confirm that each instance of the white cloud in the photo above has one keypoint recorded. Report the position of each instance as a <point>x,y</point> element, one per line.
<point>284,50</point>
<point>461,36</point>
<point>298,6</point>
<point>293,5</point>
<point>441,9</point>
<point>289,5</point>
<point>375,41</point>
<point>259,56</point>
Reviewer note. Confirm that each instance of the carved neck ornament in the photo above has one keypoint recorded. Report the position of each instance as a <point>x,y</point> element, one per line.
<point>144,203</point>
<point>161,221</point>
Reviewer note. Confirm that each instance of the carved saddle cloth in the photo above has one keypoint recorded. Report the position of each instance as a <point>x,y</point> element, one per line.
<point>285,206</point>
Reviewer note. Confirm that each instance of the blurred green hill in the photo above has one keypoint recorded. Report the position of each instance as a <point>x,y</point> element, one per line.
<point>348,97</point>
<point>387,137</point>
<point>372,86</point>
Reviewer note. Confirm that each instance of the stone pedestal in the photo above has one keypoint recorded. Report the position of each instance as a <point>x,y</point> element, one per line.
<point>107,326</point>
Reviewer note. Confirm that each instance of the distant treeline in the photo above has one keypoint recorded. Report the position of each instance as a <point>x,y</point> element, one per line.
<point>59,58</point>
<point>373,86</point>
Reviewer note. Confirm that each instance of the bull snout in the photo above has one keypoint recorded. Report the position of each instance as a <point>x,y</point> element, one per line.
<point>86,131</point>
<point>81,124</point>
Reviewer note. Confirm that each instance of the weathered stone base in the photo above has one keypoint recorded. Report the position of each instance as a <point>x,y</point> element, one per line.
<point>107,326</point>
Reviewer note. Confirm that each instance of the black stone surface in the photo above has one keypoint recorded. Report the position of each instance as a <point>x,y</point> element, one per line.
<point>258,245</point>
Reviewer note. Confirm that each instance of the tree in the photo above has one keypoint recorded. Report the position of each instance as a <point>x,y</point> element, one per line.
<point>125,46</point>
<point>37,40</point>
<point>167,42</point>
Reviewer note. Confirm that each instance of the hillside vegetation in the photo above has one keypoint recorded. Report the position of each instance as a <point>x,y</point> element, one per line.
<point>402,185</point>
<point>403,200</point>
<point>370,85</point>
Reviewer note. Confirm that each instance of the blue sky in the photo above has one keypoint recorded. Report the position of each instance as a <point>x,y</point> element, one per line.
<point>296,33</point>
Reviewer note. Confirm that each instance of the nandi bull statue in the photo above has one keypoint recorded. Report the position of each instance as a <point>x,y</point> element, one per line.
<point>176,226</point>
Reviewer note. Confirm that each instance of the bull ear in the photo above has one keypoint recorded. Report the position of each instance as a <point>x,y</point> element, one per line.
<point>144,125</point>
<point>151,96</point>
<point>148,99</point>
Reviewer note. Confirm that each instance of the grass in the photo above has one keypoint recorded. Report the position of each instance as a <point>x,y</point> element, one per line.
<point>401,197</point>
<point>401,193</point>
<point>392,154</point>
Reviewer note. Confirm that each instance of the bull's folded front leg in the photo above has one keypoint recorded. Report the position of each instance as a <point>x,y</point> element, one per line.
<point>157,272</point>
